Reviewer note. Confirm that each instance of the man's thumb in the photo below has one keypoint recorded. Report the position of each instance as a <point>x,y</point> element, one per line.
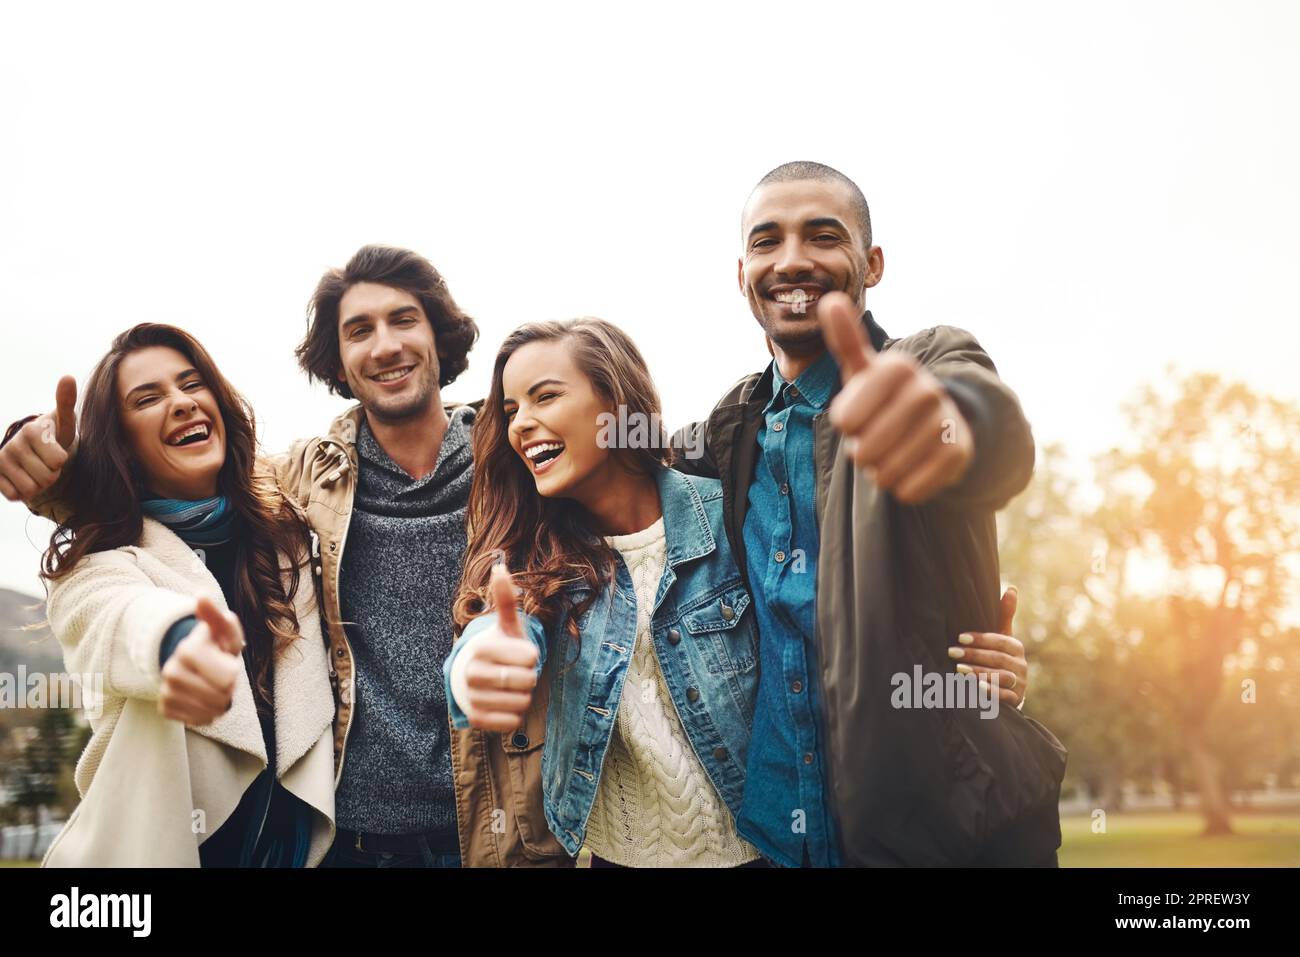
<point>65,411</point>
<point>503,599</point>
<point>220,626</point>
<point>843,333</point>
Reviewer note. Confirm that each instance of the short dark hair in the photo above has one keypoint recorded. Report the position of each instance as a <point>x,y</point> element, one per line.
<point>821,173</point>
<point>454,332</point>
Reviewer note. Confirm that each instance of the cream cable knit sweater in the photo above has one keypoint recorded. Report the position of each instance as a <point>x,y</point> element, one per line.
<point>655,806</point>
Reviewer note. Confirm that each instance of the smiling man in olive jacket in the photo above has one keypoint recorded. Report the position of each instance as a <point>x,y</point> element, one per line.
<point>861,475</point>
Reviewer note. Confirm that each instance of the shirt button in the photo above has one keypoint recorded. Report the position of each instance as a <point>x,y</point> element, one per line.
<point>728,613</point>
<point>796,686</point>
<point>692,694</point>
<point>519,739</point>
<point>338,652</point>
<point>780,556</point>
<point>785,489</point>
<point>777,427</point>
<point>721,754</point>
<point>674,636</point>
<point>808,758</point>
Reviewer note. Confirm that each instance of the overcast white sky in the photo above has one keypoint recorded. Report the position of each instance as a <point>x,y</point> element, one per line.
<point>1095,190</point>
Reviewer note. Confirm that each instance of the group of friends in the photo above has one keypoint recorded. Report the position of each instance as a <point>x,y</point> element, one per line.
<point>484,634</point>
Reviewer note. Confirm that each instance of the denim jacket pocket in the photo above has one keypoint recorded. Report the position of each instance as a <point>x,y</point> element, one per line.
<point>722,622</point>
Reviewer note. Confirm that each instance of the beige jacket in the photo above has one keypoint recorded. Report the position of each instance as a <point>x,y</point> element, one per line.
<point>152,788</point>
<point>497,777</point>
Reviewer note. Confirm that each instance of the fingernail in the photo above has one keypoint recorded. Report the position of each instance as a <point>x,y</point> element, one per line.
<point>965,670</point>
<point>956,652</point>
<point>966,639</point>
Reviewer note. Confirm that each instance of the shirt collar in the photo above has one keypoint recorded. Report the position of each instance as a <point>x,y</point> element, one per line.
<point>816,384</point>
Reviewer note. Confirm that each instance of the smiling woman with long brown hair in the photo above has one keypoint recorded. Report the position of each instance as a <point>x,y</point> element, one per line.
<point>213,742</point>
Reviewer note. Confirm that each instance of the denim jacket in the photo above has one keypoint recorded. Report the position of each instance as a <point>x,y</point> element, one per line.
<point>706,642</point>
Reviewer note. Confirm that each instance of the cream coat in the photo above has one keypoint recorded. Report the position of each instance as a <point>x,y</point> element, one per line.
<point>152,788</point>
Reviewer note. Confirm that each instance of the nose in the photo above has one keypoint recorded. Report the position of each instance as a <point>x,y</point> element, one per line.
<point>183,406</point>
<point>522,424</point>
<point>793,262</point>
<point>386,343</point>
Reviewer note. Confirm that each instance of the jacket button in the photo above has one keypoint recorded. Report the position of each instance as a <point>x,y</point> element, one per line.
<point>785,489</point>
<point>777,427</point>
<point>728,612</point>
<point>692,694</point>
<point>519,739</point>
<point>674,636</point>
<point>796,686</point>
<point>808,758</point>
<point>721,754</point>
<point>780,556</point>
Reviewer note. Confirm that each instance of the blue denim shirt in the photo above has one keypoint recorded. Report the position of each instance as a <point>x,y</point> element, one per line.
<point>785,801</point>
<point>706,641</point>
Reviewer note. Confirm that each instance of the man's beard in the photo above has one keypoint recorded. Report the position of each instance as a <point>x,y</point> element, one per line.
<point>397,410</point>
<point>804,337</point>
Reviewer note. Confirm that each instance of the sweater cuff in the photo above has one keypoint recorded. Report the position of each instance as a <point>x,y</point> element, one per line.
<point>174,636</point>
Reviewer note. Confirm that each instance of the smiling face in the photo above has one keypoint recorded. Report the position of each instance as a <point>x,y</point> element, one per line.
<point>172,423</point>
<point>552,421</point>
<point>802,239</point>
<point>387,352</point>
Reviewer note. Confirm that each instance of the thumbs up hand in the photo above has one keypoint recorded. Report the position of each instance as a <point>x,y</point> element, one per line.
<point>198,680</point>
<point>898,421</point>
<point>32,460</point>
<point>493,676</point>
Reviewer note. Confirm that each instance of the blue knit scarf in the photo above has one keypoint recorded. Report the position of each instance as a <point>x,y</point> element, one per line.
<point>208,521</point>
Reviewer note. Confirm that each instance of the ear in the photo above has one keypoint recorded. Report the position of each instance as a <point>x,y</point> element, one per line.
<point>740,274</point>
<point>875,266</point>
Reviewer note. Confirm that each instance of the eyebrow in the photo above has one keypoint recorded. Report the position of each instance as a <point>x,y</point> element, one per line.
<point>821,222</point>
<point>392,314</point>
<point>154,386</point>
<point>537,385</point>
<point>824,221</point>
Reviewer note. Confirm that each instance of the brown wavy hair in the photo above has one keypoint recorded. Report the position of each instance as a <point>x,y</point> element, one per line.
<point>454,333</point>
<point>106,486</point>
<point>548,543</point>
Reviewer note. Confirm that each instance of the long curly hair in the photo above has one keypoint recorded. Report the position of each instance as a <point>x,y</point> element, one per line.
<point>106,486</point>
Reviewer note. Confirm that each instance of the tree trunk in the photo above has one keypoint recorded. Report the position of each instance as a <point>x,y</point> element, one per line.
<point>1214,803</point>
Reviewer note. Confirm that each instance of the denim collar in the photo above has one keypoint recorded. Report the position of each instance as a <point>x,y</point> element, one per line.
<point>817,383</point>
<point>686,525</point>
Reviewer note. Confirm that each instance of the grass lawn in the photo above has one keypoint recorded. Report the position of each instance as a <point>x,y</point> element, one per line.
<point>1172,839</point>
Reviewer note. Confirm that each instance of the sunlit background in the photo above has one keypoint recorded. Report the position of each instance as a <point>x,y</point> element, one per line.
<point>1104,194</point>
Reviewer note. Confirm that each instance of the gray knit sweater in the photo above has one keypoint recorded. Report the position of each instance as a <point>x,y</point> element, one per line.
<point>401,565</point>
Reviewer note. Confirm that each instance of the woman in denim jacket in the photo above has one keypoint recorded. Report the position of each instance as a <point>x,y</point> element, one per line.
<point>632,606</point>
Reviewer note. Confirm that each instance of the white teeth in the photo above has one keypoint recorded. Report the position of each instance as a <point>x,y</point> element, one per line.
<point>390,376</point>
<point>193,430</point>
<point>797,295</point>
<point>537,450</point>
